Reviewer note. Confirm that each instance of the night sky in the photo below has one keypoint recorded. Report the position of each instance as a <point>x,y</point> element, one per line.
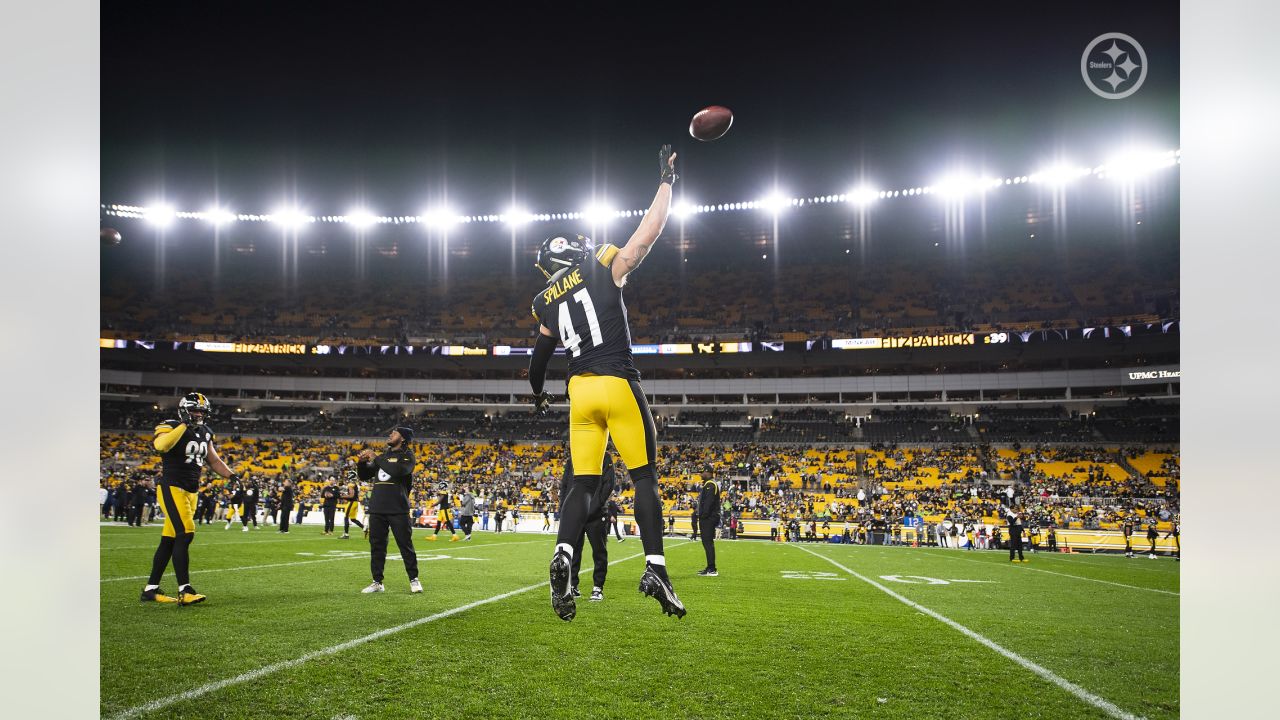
<point>399,104</point>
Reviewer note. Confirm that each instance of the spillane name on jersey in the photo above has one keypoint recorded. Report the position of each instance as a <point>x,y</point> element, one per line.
<point>583,307</point>
<point>183,464</point>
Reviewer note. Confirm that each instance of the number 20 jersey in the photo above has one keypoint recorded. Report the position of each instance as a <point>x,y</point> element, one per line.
<point>583,308</point>
<point>182,465</point>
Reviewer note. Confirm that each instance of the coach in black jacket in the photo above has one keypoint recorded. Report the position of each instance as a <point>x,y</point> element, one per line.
<point>392,477</point>
<point>708,519</point>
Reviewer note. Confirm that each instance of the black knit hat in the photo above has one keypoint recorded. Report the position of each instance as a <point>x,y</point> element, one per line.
<point>406,432</point>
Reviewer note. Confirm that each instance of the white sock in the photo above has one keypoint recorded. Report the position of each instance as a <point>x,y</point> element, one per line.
<point>567,548</point>
<point>656,560</point>
<point>151,587</point>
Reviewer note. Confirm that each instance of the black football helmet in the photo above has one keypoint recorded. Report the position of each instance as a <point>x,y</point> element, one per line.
<point>197,402</point>
<point>561,251</point>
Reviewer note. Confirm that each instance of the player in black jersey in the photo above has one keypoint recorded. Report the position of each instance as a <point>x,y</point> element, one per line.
<point>351,500</point>
<point>184,445</point>
<point>582,308</point>
<point>444,513</point>
<point>1176,533</point>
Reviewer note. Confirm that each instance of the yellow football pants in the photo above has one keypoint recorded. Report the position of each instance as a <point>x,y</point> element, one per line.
<point>603,406</point>
<point>179,510</point>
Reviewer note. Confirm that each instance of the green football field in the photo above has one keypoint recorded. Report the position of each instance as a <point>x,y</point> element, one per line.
<point>785,631</point>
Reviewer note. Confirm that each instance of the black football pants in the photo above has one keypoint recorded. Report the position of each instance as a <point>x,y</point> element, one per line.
<point>597,534</point>
<point>398,525</point>
<point>250,513</point>
<point>707,526</point>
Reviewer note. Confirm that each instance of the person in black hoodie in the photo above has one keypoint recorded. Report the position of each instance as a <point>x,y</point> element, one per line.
<point>1015,537</point>
<point>329,505</point>
<point>286,505</point>
<point>708,519</point>
<point>392,476</point>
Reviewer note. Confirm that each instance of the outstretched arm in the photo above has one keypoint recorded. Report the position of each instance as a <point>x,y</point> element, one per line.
<point>542,352</point>
<point>655,219</point>
<point>220,467</point>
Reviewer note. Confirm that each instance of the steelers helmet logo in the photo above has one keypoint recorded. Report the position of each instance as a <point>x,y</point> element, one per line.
<point>561,251</point>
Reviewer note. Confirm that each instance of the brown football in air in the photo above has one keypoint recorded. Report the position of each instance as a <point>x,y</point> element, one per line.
<point>711,123</point>
<point>110,236</point>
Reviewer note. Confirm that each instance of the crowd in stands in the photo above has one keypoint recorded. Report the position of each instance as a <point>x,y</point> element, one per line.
<point>1064,486</point>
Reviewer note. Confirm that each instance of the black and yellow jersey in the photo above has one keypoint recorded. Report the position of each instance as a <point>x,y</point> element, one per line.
<point>183,464</point>
<point>583,307</point>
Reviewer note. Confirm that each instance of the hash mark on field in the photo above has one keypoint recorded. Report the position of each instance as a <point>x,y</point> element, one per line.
<point>333,650</point>
<point>1098,702</point>
<point>1077,577</point>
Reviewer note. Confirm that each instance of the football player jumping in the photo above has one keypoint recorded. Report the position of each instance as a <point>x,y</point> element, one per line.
<point>582,308</point>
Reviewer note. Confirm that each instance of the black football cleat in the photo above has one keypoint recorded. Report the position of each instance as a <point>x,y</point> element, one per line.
<point>562,600</point>
<point>659,588</point>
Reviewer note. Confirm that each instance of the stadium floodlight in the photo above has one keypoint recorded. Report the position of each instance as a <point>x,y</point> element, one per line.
<point>1059,174</point>
<point>516,216</point>
<point>599,213</point>
<point>219,216</point>
<point>863,195</point>
<point>953,187</point>
<point>290,217</point>
<point>159,215</point>
<point>1134,163</point>
<point>360,219</point>
<point>683,209</point>
<point>775,202</point>
<point>443,218</point>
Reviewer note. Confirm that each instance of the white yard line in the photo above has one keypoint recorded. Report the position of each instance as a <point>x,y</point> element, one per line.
<point>1098,702</point>
<point>1066,575</point>
<point>363,556</point>
<point>164,702</point>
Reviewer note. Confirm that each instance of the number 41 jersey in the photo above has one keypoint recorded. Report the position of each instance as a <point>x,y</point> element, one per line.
<point>583,307</point>
<point>182,464</point>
